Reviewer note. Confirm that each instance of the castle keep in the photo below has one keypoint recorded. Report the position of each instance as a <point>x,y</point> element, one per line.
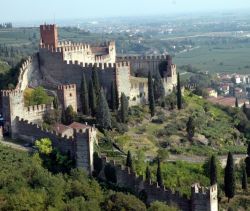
<point>65,62</point>
<point>59,66</point>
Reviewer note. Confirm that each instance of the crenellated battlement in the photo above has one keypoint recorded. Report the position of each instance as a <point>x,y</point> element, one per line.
<point>152,57</point>
<point>47,27</point>
<point>202,198</point>
<point>38,108</point>
<point>148,185</point>
<point>67,87</point>
<point>100,65</point>
<point>123,64</point>
<point>201,192</point>
<point>8,93</point>
<point>46,132</point>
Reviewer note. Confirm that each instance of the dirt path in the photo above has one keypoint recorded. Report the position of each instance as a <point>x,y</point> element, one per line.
<point>201,159</point>
<point>15,146</point>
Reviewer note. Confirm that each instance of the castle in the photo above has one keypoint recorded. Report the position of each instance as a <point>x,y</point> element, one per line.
<point>59,66</point>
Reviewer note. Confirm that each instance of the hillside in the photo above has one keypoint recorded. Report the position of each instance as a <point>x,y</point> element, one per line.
<point>216,130</point>
<point>26,185</point>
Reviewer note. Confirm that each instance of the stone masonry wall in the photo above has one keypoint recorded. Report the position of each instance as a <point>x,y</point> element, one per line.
<point>80,146</point>
<point>128,179</point>
<point>31,132</point>
<point>202,199</point>
<point>143,64</point>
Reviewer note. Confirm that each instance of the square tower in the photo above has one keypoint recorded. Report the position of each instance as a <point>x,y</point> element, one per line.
<point>49,35</point>
<point>67,96</point>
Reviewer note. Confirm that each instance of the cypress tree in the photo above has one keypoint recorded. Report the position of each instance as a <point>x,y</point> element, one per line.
<point>113,102</point>
<point>179,95</point>
<point>236,103</point>
<point>229,177</point>
<point>92,98</point>
<point>213,171</point>
<point>158,173</point>
<point>97,163</point>
<point>69,115</point>
<point>244,179</point>
<point>96,82</point>
<point>247,160</point>
<point>151,98</point>
<point>148,174</point>
<point>244,108</point>
<point>159,91</point>
<point>124,108</point>
<point>190,128</point>
<point>248,149</point>
<point>129,162</point>
<point>84,96</point>
<point>55,103</point>
<point>103,116</point>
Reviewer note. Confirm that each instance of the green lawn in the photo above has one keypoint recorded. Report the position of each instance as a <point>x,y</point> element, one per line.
<point>217,59</point>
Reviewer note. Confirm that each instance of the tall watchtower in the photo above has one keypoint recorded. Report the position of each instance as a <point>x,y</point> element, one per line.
<point>49,35</point>
<point>67,96</point>
<point>12,106</point>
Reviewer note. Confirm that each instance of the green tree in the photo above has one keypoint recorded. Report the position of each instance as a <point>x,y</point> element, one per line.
<point>158,173</point>
<point>55,103</point>
<point>96,82</point>
<point>236,103</point>
<point>39,96</point>
<point>129,162</point>
<point>244,179</point>
<point>98,164</point>
<point>160,206</point>
<point>148,174</point>
<point>159,91</point>
<point>44,146</point>
<point>92,98</point>
<point>103,116</point>
<point>124,109</point>
<point>52,116</point>
<point>110,173</point>
<point>121,201</point>
<point>113,101</point>
<point>190,128</point>
<point>69,115</point>
<point>213,171</point>
<point>84,94</point>
<point>151,98</point>
<point>247,160</point>
<point>229,177</point>
<point>179,94</point>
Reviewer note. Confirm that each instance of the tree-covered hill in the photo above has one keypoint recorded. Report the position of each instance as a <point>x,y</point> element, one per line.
<point>26,185</point>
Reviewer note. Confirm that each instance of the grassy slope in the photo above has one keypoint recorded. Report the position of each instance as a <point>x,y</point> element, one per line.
<point>206,58</point>
<point>214,126</point>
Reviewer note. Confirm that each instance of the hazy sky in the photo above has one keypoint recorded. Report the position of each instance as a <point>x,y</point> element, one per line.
<point>41,10</point>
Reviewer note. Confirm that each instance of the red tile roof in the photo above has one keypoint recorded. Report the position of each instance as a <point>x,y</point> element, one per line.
<point>78,126</point>
<point>226,101</point>
<point>60,128</point>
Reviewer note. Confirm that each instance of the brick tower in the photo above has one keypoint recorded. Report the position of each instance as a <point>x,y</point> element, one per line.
<point>49,35</point>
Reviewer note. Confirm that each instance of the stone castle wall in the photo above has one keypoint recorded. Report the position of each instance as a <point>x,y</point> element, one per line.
<point>80,146</point>
<point>55,71</point>
<point>202,199</point>
<point>139,91</point>
<point>141,65</point>
<point>13,105</point>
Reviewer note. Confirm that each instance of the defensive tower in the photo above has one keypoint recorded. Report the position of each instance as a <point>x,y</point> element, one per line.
<point>49,35</point>
<point>67,96</point>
